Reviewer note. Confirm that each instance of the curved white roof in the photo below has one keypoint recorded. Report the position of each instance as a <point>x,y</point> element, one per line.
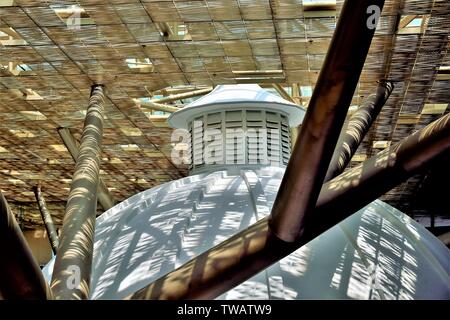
<point>378,253</point>
<point>240,96</point>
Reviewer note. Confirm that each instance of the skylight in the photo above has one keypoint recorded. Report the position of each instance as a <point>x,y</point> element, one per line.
<point>306,91</point>
<point>33,115</point>
<point>15,181</point>
<point>23,67</point>
<point>259,76</point>
<point>73,16</point>
<point>434,108</point>
<point>443,73</point>
<point>258,72</point>
<point>408,118</point>
<point>115,161</point>
<point>130,147</point>
<point>319,5</point>
<point>59,147</point>
<point>382,144</point>
<point>173,31</point>
<point>411,24</point>
<point>156,114</point>
<point>16,68</point>
<point>22,133</point>
<point>32,95</point>
<point>359,158</point>
<point>143,65</point>
<point>6,3</point>
<point>417,22</point>
<point>9,37</point>
<point>131,132</point>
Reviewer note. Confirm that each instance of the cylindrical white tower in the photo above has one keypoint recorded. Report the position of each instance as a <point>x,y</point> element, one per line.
<point>238,125</point>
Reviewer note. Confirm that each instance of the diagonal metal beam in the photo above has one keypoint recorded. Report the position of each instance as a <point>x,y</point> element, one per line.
<point>405,21</point>
<point>72,271</point>
<point>156,106</point>
<point>47,219</point>
<point>184,95</point>
<point>283,92</point>
<point>105,197</point>
<point>357,128</point>
<point>256,248</point>
<point>324,117</point>
<point>20,275</point>
<point>296,94</point>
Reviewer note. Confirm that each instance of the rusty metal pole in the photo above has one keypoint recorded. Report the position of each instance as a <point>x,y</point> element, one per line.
<point>357,128</point>
<point>324,118</point>
<point>20,275</point>
<point>256,248</point>
<point>47,219</point>
<point>72,270</point>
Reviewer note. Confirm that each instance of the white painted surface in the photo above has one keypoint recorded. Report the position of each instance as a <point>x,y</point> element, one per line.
<point>237,97</point>
<point>378,253</point>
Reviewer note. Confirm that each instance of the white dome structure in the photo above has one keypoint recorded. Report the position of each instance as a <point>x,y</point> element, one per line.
<point>235,97</point>
<point>377,253</point>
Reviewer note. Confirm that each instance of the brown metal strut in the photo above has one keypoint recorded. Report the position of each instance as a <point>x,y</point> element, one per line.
<point>47,219</point>
<point>20,275</point>
<point>357,128</point>
<point>324,118</point>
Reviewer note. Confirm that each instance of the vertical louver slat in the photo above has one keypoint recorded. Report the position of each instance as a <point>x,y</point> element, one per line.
<point>285,139</point>
<point>190,148</point>
<point>197,142</point>
<point>255,137</point>
<point>235,141</point>
<point>213,139</point>
<point>273,134</point>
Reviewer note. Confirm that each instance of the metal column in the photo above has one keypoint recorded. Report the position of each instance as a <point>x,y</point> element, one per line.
<point>256,248</point>
<point>105,197</point>
<point>358,126</point>
<point>47,219</point>
<point>324,118</point>
<point>184,95</point>
<point>72,270</point>
<point>20,275</point>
